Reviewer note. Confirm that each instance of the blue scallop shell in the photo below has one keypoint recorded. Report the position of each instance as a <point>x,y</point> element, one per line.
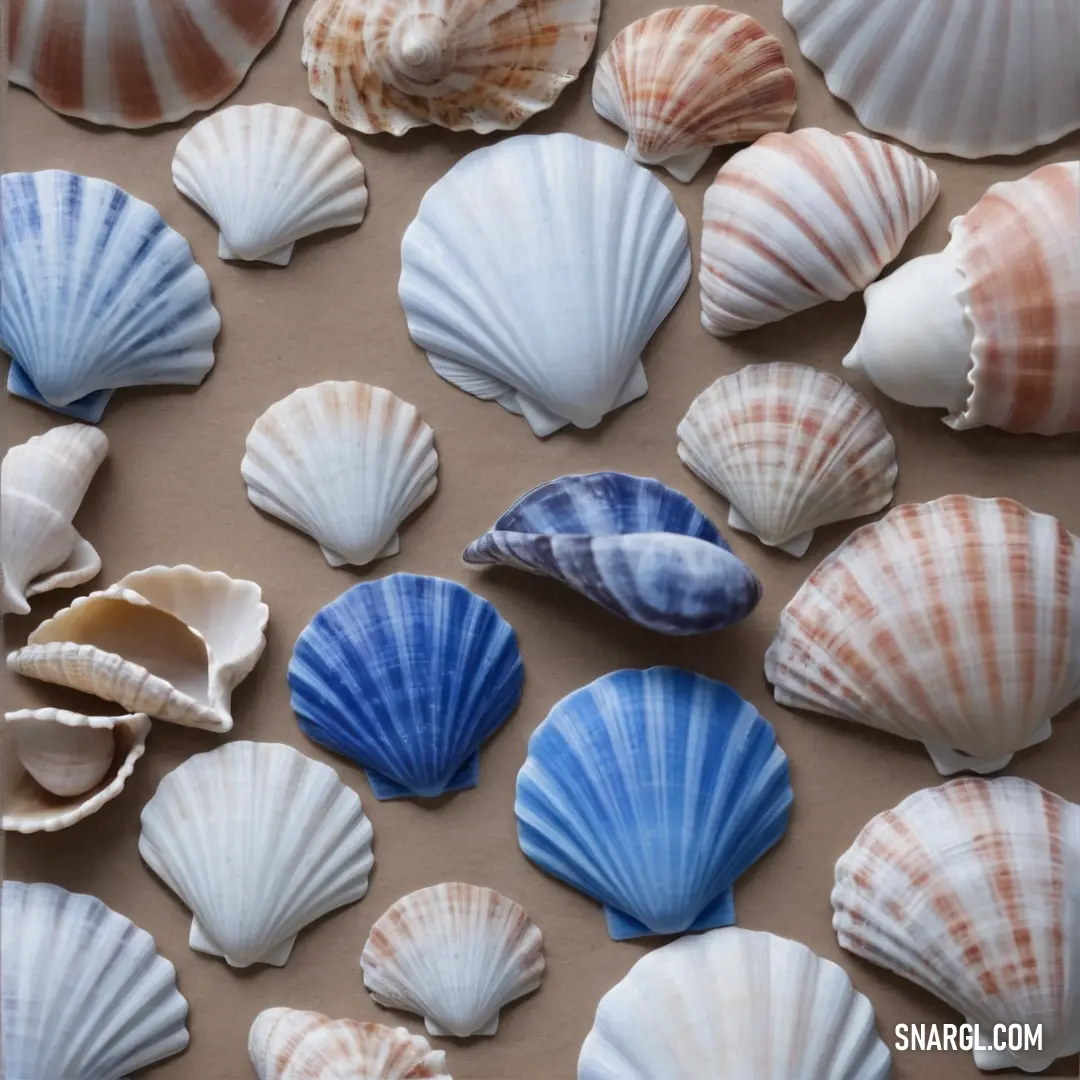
<point>652,791</point>
<point>632,545</point>
<point>408,676</point>
<point>98,293</point>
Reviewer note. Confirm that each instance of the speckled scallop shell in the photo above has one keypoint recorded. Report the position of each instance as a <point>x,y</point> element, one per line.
<point>791,449</point>
<point>455,954</point>
<point>483,65</point>
<point>955,623</point>
<point>798,219</point>
<point>132,64</point>
<point>989,328</point>
<point>686,79</point>
<point>972,891</point>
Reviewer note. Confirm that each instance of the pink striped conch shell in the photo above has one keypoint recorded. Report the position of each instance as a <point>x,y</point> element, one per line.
<point>482,65</point>
<point>955,623</point>
<point>972,891</point>
<point>989,328</point>
<point>791,449</point>
<point>686,79</point>
<point>798,219</point>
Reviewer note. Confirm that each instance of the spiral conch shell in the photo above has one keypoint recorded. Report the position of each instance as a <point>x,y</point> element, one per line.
<point>686,79</point>
<point>481,65</point>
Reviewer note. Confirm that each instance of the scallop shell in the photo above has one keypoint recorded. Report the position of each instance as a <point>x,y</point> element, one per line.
<point>392,65</point>
<point>915,70</point>
<point>455,954</point>
<point>86,995</point>
<point>798,219</point>
<point>173,642</point>
<point>972,891</point>
<point>751,1005</point>
<point>652,791</point>
<point>269,175</point>
<point>343,462</point>
<point>259,841</point>
<point>989,328</point>
<point>559,338</point>
<point>288,1044</point>
<point>636,547</point>
<point>123,63</point>
<point>686,79</point>
<point>42,484</point>
<point>408,676</point>
<point>791,449</point>
<point>79,253</point>
<point>955,623</point>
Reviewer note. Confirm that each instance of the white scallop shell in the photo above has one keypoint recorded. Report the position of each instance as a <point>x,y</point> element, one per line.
<point>259,841</point>
<point>455,954</point>
<point>801,218</point>
<point>269,175</point>
<point>734,1003</point>
<point>535,273</point>
<point>791,449</point>
<point>345,463</point>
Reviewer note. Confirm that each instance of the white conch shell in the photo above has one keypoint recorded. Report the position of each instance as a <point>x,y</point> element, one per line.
<point>269,175</point>
<point>487,65</point>
<point>916,69</point>
<point>791,449</point>
<point>42,484</point>
<point>955,623</point>
<point>556,337</point>
<point>736,1004</point>
<point>686,79</point>
<point>455,954</point>
<point>989,328</point>
<point>72,765</point>
<point>259,841</point>
<point>798,219</point>
<point>290,1044</point>
<point>343,462</point>
<point>172,642</point>
<point>972,891</point>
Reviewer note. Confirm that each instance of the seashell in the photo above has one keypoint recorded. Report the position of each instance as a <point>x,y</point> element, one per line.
<point>652,791</point>
<point>636,547</point>
<point>683,80</point>
<point>798,219</point>
<point>989,328</point>
<point>972,891</point>
<point>955,623</point>
<point>121,63</point>
<point>392,65</point>
<point>72,765</point>
<point>86,995</point>
<point>559,341</point>
<point>751,1005</point>
<point>269,175</point>
<point>915,72</point>
<point>259,841</point>
<point>170,641</point>
<point>791,449</point>
<point>288,1044</point>
<point>42,484</point>
<point>343,462</point>
<point>455,954</point>
<point>81,252</point>
<point>408,676</point>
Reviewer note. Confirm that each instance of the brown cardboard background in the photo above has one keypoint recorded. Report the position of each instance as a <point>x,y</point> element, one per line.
<point>171,492</point>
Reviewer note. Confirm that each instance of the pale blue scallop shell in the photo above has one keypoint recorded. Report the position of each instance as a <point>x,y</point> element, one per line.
<point>632,545</point>
<point>652,791</point>
<point>408,676</point>
<point>97,292</point>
